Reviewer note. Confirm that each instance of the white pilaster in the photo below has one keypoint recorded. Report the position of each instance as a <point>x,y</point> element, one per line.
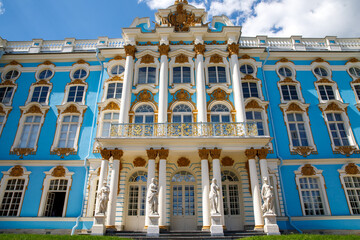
<point>217,175</point>
<point>163,85</point>
<point>114,182</point>
<point>259,222</point>
<point>200,84</point>
<point>264,169</point>
<point>151,174</point>
<point>205,185</point>
<point>162,192</point>
<point>103,174</point>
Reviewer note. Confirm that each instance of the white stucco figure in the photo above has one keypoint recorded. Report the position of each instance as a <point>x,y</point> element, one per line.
<point>214,196</point>
<point>152,197</point>
<point>267,196</point>
<point>103,198</point>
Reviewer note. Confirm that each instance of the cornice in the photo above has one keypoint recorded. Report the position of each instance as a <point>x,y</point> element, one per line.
<point>76,163</point>
<point>325,161</point>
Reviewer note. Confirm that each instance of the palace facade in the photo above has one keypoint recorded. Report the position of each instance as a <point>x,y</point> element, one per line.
<point>182,103</point>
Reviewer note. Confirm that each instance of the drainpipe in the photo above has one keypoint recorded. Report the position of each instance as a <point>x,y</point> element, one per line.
<point>276,144</point>
<point>91,137</point>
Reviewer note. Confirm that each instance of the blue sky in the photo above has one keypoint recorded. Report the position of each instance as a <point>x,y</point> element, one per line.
<point>90,19</point>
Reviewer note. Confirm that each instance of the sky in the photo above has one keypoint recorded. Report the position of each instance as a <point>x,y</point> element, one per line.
<point>24,20</point>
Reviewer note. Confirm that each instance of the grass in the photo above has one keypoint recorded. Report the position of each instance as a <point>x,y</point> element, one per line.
<point>56,237</point>
<point>305,237</point>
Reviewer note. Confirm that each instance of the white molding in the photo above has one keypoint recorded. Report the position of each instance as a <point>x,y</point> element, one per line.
<point>139,65</point>
<point>190,64</point>
<point>8,68</point>
<point>77,66</point>
<point>343,174</point>
<point>224,64</point>
<point>324,161</point>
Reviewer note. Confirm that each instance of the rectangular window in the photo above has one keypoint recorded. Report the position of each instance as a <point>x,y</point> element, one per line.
<point>147,75</point>
<point>30,132</point>
<point>357,90</point>
<point>68,132</point>
<point>352,188</point>
<point>56,198</point>
<point>217,74</point>
<point>181,75</point>
<point>6,94</point>
<point>76,94</point>
<point>2,120</point>
<point>40,94</point>
<point>109,118</point>
<point>254,116</point>
<point>250,90</point>
<point>114,90</point>
<point>311,195</point>
<point>289,92</point>
<point>337,129</point>
<point>326,92</point>
<point>297,129</point>
<point>13,194</point>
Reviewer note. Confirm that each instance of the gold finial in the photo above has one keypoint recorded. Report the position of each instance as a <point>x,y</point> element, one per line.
<point>181,1</point>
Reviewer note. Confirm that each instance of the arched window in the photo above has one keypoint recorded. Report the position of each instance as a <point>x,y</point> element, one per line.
<point>217,74</point>
<point>230,190</point>
<point>182,114</point>
<point>137,194</point>
<point>12,74</point>
<point>181,75</point>
<point>246,69</point>
<point>80,74</point>
<point>45,74</point>
<point>321,72</point>
<point>355,71</point>
<point>144,114</point>
<point>117,69</point>
<point>220,113</point>
<point>285,72</point>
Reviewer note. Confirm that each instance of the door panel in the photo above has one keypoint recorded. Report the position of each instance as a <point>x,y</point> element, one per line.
<point>231,203</point>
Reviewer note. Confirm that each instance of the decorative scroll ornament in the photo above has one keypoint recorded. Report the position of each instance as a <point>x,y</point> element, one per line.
<point>181,1</point>
<point>345,150</point>
<point>253,105</point>
<point>46,63</point>
<point>284,60</point>
<point>250,153</point>
<point>13,63</point>
<point>42,82</point>
<point>215,153</point>
<point>233,49</point>
<point>181,19</point>
<point>308,170</point>
<point>77,82</point>
<point>262,153</point>
<point>17,171</point>
<point>145,96</point>
<point>147,59</point>
<point>164,49</point>
<point>249,77</point>
<point>333,107</point>
<point>7,83</point>
<point>152,153</point>
<point>353,60</point>
<point>139,162</point>
<point>324,80</point>
<point>303,150</point>
<point>34,109</point>
<point>227,161</point>
<point>293,107</point>
<point>163,153</point>
<point>288,80</point>
<point>219,95</point>
<point>23,152</point>
<point>352,169</point>
<point>114,79</point>
<point>130,50</point>
<point>112,106</point>
<point>71,109</point>
<point>2,110</point>
<point>216,58</point>
<point>105,153</point>
<point>199,49</point>
<point>81,61</point>
<point>183,162</point>
<point>204,153</point>
<point>245,56</point>
<point>182,95</point>
<point>117,154</point>
<point>59,171</point>
<point>64,151</point>
<point>181,59</point>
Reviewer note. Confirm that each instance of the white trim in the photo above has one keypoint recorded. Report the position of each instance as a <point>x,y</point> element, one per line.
<point>109,65</point>
<point>190,64</point>
<point>43,67</point>
<point>77,66</point>
<point>67,90</point>
<point>224,64</point>
<point>8,68</point>
<point>139,65</point>
<point>93,178</point>
<point>343,174</point>
<point>31,92</point>
<point>324,161</point>
<point>250,62</point>
<point>7,110</point>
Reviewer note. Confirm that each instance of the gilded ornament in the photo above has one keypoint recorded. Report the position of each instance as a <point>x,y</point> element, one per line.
<point>283,60</point>
<point>105,153</point>
<point>34,109</point>
<point>288,80</point>
<point>2,110</point>
<point>41,82</point>
<point>13,63</point>
<point>139,162</point>
<point>353,60</point>
<point>46,63</point>
<point>293,107</point>
<point>227,161</point>
<point>114,79</point>
<point>183,162</point>
<point>251,153</point>
<point>98,172</point>
<point>71,109</point>
<point>112,106</point>
<point>182,95</point>
<point>81,61</point>
<point>145,96</point>
<point>253,104</point>
<point>233,49</point>
<point>181,59</point>
<point>181,1</point>
<point>59,171</point>
<point>163,153</point>
<point>333,107</point>
<point>324,80</point>
<point>216,58</point>
<point>152,153</point>
<point>164,49</point>
<point>219,95</point>
<point>23,152</point>
<point>303,150</point>
<point>63,152</point>
<point>181,19</point>
<point>356,81</point>
<point>345,150</point>
<point>77,82</point>
<point>199,49</point>
<point>17,171</point>
<point>319,60</point>
<point>7,83</point>
<point>245,56</point>
<point>215,153</point>
<point>248,77</point>
<point>308,170</point>
<point>117,154</point>
<point>130,50</point>
<point>352,169</point>
<point>262,153</point>
<point>203,153</point>
<point>147,59</point>
<point>116,58</point>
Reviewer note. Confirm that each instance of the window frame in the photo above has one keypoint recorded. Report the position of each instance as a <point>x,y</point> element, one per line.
<point>182,113</point>
<point>9,67</point>
<point>8,85</point>
<point>225,64</point>
<point>102,120</point>
<point>4,111</point>
<point>346,173</point>
<point>75,83</point>
<point>41,83</point>
<point>258,87</point>
<point>355,80</point>
<point>42,67</point>
<point>112,63</point>
<point>92,193</point>
<point>256,105</point>
<point>139,65</point>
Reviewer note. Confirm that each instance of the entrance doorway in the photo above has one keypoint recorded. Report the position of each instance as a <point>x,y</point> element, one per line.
<point>183,210</point>
<point>231,201</point>
<point>136,202</point>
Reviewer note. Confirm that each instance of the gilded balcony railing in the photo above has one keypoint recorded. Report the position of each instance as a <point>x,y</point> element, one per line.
<point>168,130</point>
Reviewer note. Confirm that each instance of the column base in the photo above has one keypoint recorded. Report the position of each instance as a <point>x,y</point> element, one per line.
<point>153,230</point>
<point>205,228</point>
<point>271,227</point>
<point>216,229</point>
<point>98,227</point>
<point>259,228</point>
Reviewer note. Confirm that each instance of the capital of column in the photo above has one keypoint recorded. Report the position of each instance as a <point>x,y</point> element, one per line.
<point>233,49</point>
<point>130,50</point>
<point>215,153</point>
<point>105,154</point>
<point>251,153</point>
<point>163,153</point>
<point>199,49</point>
<point>117,154</point>
<point>262,153</point>
<point>152,153</point>
<point>203,153</point>
<point>164,49</point>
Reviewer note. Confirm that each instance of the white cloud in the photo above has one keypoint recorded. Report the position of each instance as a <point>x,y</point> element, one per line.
<point>2,9</point>
<point>310,18</point>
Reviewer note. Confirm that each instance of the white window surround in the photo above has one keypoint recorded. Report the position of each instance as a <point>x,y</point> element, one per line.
<point>181,113</point>
<point>332,84</point>
<point>289,65</point>
<point>225,103</point>
<point>41,83</point>
<point>352,64</point>
<point>113,62</point>
<point>74,83</point>
<point>4,111</point>
<point>68,109</point>
<point>343,173</point>
<point>6,84</point>
<point>32,109</point>
<point>258,85</point>
<point>139,65</point>
<point>102,121</point>
<point>274,179</point>
<point>8,68</point>
<point>224,64</point>
<point>115,79</point>
<point>93,178</point>
<point>49,175</point>
<point>85,66</point>
<point>190,64</point>
<point>42,67</point>
<point>7,176</point>
<point>355,80</point>
<point>316,174</point>
<point>109,105</point>
<point>298,107</point>
<point>252,63</point>
<point>260,107</point>
<point>334,106</point>
<point>325,65</point>
<point>356,84</point>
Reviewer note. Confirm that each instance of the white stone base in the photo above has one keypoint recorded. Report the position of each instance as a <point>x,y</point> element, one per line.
<point>271,227</point>
<point>153,229</point>
<point>216,228</point>
<point>98,227</point>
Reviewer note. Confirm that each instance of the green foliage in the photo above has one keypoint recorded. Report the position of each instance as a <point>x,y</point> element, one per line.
<point>305,237</point>
<point>55,237</point>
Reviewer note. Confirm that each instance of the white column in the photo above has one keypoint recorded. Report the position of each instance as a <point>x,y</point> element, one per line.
<point>259,222</point>
<point>162,193</point>
<point>200,83</point>
<point>236,82</point>
<point>205,185</point>
<point>163,84</point>
<point>262,153</point>
<point>151,174</point>
<point>217,175</point>
<point>103,174</point>
<point>127,84</point>
<point>114,182</point>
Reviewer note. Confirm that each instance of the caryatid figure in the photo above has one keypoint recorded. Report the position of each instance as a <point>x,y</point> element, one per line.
<point>214,196</point>
<point>152,197</point>
<point>267,196</point>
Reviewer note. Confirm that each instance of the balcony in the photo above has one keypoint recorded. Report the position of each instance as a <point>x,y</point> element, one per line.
<point>184,135</point>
